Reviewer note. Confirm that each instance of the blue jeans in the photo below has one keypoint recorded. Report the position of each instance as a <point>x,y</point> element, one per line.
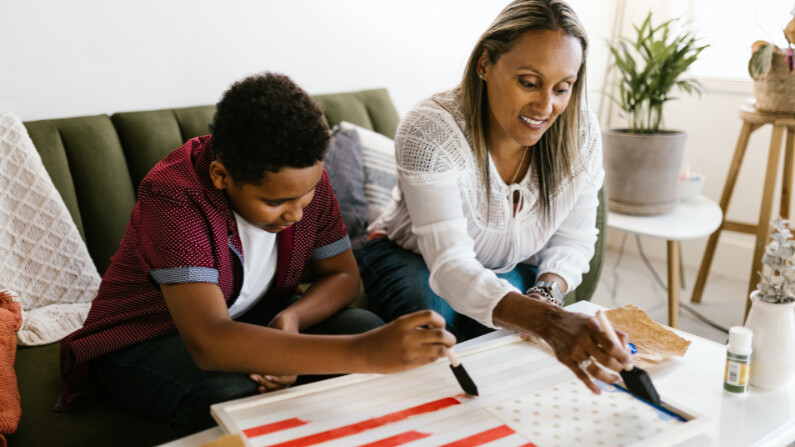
<point>158,378</point>
<point>396,283</point>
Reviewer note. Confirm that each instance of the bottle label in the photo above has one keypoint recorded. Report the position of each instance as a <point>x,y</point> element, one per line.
<point>735,378</point>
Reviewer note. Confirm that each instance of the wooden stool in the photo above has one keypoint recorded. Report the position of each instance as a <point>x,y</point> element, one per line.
<point>752,121</point>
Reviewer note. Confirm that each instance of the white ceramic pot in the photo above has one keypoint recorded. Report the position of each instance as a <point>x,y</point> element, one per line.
<point>773,356</point>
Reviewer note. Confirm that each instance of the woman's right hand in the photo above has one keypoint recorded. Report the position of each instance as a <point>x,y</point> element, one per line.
<point>580,343</point>
<point>410,341</point>
<point>577,339</point>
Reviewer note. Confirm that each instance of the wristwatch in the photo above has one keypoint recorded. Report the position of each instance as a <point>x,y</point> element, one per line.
<point>549,290</point>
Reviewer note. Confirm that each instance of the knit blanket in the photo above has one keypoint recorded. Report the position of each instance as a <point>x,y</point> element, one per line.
<point>42,256</point>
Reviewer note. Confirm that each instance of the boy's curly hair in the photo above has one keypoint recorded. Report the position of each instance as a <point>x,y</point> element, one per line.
<point>266,122</point>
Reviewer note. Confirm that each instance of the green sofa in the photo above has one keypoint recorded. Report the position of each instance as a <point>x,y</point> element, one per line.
<point>96,162</point>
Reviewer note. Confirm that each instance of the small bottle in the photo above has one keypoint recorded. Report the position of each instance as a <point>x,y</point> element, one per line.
<point>738,360</point>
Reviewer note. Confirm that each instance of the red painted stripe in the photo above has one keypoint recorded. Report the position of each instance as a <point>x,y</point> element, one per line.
<point>529,444</point>
<point>369,424</point>
<point>275,426</point>
<point>400,439</point>
<point>482,437</point>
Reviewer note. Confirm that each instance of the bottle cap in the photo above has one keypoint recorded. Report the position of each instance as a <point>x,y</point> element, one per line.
<point>740,339</point>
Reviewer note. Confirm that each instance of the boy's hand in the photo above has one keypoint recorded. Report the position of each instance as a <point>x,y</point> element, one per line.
<point>269,382</point>
<point>410,341</point>
<point>287,322</point>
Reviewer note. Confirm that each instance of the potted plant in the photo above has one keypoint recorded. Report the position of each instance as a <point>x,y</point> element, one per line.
<point>771,69</point>
<point>643,161</point>
<point>772,315</point>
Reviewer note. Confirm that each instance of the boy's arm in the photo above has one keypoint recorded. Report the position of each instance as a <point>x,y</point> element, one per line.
<point>335,286</point>
<point>216,342</point>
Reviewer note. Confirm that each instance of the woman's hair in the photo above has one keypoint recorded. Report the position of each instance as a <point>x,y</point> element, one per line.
<point>264,123</point>
<point>557,151</point>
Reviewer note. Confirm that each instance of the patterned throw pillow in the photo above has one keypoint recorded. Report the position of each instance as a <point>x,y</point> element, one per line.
<point>380,172</point>
<point>42,256</point>
<point>345,169</point>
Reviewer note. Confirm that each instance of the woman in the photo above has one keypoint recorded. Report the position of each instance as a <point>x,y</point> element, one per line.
<point>497,194</point>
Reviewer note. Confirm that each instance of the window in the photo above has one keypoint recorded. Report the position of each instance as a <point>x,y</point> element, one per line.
<point>730,27</point>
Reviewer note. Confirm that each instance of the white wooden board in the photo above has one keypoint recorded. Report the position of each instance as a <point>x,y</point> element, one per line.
<point>527,398</point>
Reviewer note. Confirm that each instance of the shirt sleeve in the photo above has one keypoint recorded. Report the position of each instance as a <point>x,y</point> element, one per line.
<point>175,244</point>
<point>332,237</point>
<point>430,186</point>
<point>569,251</point>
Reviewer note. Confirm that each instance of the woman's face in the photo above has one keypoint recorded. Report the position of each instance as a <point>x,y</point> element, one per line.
<point>529,86</point>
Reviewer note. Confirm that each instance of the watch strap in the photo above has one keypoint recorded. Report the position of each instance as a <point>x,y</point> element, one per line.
<point>549,290</point>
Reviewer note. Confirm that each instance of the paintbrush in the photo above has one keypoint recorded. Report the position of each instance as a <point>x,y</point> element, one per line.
<point>461,374</point>
<point>636,380</point>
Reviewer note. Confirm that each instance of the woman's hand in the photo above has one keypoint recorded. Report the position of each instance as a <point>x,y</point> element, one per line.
<point>410,341</point>
<point>289,322</point>
<point>580,343</point>
<point>577,339</point>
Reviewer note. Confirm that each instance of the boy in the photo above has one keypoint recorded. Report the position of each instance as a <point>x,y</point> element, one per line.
<point>222,231</point>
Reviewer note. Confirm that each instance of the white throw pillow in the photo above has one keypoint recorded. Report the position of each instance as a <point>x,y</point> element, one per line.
<point>380,172</point>
<point>42,256</point>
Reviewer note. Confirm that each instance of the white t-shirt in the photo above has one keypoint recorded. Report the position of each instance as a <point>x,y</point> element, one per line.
<point>259,265</point>
<point>440,209</point>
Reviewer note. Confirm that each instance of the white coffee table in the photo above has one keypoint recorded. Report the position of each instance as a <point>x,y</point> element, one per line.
<point>759,418</point>
<point>693,219</point>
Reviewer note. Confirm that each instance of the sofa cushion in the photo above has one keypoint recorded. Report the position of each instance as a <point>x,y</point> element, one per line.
<point>371,109</point>
<point>380,169</point>
<point>345,169</point>
<point>591,279</point>
<point>101,182</point>
<point>92,421</point>
<point>44,259</point>
<point>147,137</point>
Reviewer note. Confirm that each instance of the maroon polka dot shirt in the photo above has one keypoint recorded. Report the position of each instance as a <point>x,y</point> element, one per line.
<point>183,230</point>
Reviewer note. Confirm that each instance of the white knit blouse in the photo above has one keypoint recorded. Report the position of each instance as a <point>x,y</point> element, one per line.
<point>439,209</point>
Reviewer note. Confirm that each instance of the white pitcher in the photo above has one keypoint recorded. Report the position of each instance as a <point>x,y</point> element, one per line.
<point>773,357</point>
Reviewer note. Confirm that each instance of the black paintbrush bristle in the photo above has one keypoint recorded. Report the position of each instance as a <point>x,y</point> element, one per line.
<point>466,382</point>
<point>639,383</point>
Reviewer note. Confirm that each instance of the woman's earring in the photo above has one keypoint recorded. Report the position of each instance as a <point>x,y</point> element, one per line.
<point>480,75</point>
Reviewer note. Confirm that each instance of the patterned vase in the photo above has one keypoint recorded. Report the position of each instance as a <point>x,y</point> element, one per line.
<point>773,356</point>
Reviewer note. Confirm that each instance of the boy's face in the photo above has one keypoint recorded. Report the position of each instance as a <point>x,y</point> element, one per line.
<point>277,202</point>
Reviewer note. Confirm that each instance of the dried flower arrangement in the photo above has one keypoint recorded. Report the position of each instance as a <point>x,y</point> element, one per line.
<point>763,51</point>
<point>779,285</point>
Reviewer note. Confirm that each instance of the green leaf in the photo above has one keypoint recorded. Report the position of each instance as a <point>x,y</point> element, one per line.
<point>650,67</point>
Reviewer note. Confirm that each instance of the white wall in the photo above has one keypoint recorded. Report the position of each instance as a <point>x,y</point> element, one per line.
<point>96,56</point>
<point>83,57</point>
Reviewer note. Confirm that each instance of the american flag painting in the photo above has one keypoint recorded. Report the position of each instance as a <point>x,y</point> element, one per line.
<point>527,399</point>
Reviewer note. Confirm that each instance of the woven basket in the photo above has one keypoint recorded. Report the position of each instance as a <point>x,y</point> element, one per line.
<point>775,90</point>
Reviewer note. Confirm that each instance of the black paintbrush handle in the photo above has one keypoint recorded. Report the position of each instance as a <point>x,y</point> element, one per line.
<point>637,380</point>
<point>466,382</point>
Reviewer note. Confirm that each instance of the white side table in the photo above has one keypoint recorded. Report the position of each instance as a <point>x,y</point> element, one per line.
<point>696,218</point>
